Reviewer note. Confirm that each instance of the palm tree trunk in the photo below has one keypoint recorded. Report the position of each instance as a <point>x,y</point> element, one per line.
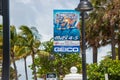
<point>14,64</point>
<point>34,69</point>
<point>94,54</point>
<point>118,51</point>
<point>25,68</point>
<point>113,44</point>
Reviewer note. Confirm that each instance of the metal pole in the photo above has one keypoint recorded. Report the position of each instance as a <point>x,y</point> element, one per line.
<point>0,7</point>
<point>83,47</point>
<point>6,41</point>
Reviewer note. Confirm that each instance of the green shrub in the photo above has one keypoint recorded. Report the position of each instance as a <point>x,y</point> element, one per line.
<point>97,71</point>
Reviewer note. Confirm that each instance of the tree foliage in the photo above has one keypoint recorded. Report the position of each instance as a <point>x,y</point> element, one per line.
<point>97,71</point>
<point>60,64</point>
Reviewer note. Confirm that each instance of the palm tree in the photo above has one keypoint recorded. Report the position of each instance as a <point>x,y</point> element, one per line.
<point>94,26</point>
<point>118,45</point>
<point>112,17</point>
<point>23,52</point>
<point>18,50</point>
<point>13,42</point>
<point>48,45</point>
<point>32,43</point>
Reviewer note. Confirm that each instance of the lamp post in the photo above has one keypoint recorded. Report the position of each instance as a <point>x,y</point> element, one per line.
<point>84,6</point>
<point>0,7</point>
<point>6,40</point>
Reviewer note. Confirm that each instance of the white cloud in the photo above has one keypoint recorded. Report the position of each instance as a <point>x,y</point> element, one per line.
<point>102,52</point>
<point>24,1</point>
<point>45,37</point>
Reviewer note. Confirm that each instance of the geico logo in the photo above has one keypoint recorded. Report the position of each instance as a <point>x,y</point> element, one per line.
<point>68,49</point>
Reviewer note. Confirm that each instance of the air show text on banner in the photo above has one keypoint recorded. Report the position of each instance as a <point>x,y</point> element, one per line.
<point>67,42</point>
<point>66,31</point>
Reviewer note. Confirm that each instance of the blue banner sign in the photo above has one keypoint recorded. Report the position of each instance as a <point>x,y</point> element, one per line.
<point>66,31</point>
